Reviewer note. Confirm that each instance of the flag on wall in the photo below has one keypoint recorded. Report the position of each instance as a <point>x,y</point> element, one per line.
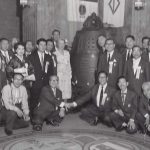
<point>114,12</point>
<point>79,10</point>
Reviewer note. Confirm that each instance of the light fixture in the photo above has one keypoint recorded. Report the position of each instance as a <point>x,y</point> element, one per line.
<point>139,4</point>
<point>28,3</point>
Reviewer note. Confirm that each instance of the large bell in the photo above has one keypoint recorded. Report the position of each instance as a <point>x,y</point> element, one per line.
<point>85,53</point>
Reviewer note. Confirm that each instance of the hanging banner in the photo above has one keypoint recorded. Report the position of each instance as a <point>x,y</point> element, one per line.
<point>114,12</point>
<point>79,10</point>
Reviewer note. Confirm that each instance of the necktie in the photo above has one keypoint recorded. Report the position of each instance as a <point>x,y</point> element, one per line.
<point>108,58</point>
<point>54,91</point>
<point>42,61</point>
<point>6,56</point>
<point>101,96</point>
<point>123,98</point>
<point>128,56</point>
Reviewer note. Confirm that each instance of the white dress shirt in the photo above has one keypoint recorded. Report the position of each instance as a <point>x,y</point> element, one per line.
<point>129,51</point>
<point>136,64</point>
<point>99,93</point>
<point>40,56</point>
<point>111,53</point>
<point>6,55</point>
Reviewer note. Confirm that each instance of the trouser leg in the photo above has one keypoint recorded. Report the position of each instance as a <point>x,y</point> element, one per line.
<point>140,122</point>
<point>117,120</point>
<point>11,117</point>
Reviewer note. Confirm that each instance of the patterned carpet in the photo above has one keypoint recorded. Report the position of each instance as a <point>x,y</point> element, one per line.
<point>74,134</point>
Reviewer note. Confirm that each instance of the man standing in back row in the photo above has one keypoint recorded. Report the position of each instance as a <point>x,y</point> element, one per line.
<point>111,62</point>
<point>42,69</point>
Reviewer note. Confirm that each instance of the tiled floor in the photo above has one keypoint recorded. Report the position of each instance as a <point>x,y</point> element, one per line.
<point>74,125</point>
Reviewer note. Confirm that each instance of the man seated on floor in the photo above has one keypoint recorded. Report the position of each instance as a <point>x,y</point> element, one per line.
<point>143,116</point>
<point>124,108</point>
<point>15,110</point>
<point>101,100</point>
<point>51,107</point>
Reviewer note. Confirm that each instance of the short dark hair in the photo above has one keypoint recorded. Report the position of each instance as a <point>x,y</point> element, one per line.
<point>130,36</point>
<point>49,40</point>
<point>110,39</point>
<point>54,75</point>
<point>40,40</point>
<point>145,37</point>
<point>17,44</point>
<point>55,30</point>
<point>137,46</point>
<point>103,72</point>
<point>14,74</point>
<point>121,77</point>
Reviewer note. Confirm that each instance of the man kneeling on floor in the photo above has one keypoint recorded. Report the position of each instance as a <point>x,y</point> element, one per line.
<point>124,108</point>
<point>51,107</point>
<point>143,116</point>
<point>15,110</point>
<point>101,100</point>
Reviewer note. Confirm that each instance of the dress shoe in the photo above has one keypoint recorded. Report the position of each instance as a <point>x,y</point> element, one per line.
<point>53,123</point>
<point>37,127</point>
<point>119,129</point>
<point>94,122</point>
<point>8,132</point>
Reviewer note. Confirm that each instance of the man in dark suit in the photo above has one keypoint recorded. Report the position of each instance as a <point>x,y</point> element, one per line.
<point>145,43</point>
<point>136,71</point>
<point>4,49</point>
<point>127,51</point>
<point>143,116</point>
<point>101,44</point>
<point>111,62</point>
<point>50,107</point>
<point>124,108</point>
<point>41,64</point>
<point>101,100</point>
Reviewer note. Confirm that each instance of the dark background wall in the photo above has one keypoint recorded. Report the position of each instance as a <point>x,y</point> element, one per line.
<point>9,22</point>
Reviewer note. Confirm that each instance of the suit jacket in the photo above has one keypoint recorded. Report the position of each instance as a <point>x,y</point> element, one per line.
<point>92,95</point>
<point>124,54</point>
<point>10,55</point>
<point>47,100</point>
<point>130,106</point>
<point>144,106</point>
<point>117,67</point>
<point>41,75</point>
<point>135,84</point>
<point>3,78</point>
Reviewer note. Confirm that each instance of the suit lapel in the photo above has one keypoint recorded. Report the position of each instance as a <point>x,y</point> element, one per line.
<point>51,91</point>
<point>131,66</point>
<point>120,98</point>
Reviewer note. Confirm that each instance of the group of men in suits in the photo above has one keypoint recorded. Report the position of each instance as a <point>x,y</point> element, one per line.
<point>118,108</point>
<point>131,62</point>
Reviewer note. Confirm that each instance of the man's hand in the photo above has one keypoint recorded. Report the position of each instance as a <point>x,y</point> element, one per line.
<point>148,128</point>
<point>120,112</point>
<point>68,106</point>
<point>131,124</point>
<point>62,112</point>
<point>147,121</point>
<point>19,112</point>
<point>26,117</point>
